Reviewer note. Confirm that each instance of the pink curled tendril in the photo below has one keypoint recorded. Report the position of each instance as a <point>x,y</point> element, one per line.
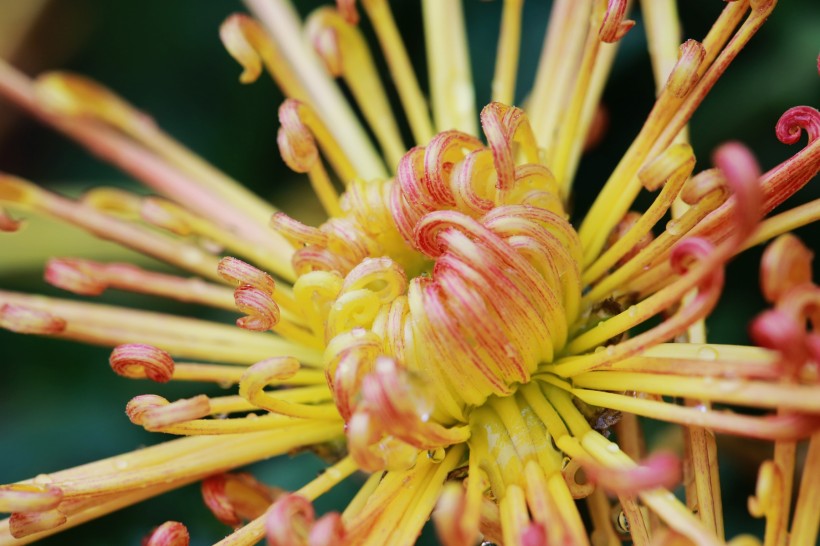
<point>796,120</point>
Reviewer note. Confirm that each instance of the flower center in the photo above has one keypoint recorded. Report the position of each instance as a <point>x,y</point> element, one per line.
<point>496,268</point>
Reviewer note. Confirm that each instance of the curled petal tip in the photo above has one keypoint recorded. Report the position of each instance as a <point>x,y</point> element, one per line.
<point>296,143</point>
<point>170,533</point>
<point>658,470</point>
<point>262,312</point>
<point>768,490</point>
<point>702,184</point>
<point>25,320</point>
<point>138,361</point>
<point>262,373</point>
<point>297,232</point>
<point>153,412</point>
<point>795,120</point>
<point>238,34</point>
<point>289,520</point>
<point>688,250</point>
<point>233,498</point>
<point>325,40</point>
<point>240,273</point>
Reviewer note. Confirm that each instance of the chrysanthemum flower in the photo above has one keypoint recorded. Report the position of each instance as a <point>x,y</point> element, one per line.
<point>451,329</point>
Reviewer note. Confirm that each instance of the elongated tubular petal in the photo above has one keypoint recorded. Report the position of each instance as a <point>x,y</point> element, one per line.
<point>110,326</point>
<point>659,470</point>
<point>91,278</point>
<point>806,519</point>
<point>78,511</point>
<point>142,164</point>
<point>125,479</point>
<point>506,58</point>
<point>346,54</point>
<point>403,524</point>
<point>566,33</point>
<point>282,23</point>
<point>170,533</point>
<point>709,283</point>
<point>691,56</point>
<point>658,136</point>
<point>742,174</point>
<point>777,185</point>
<point>188,458</point>
<point>767,370</point>
<point>298,149</point>
<point>672,169</point>
<point>764,394</point>
<point>786,427</point>
<point>296,232</point>
<point>705,192</point>
<point>165,248</point>
<point>80,98</point>
<point>451,85</point>
<point>401,70</point>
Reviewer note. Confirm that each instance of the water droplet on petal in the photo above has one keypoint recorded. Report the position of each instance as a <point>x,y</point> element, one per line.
<point>121,464</point>
<point>436,455</point>
<point>674,227</point>
<point>730,385</point>
<point>707,353</point>
<point>613,448</point>
<point>43,479</point>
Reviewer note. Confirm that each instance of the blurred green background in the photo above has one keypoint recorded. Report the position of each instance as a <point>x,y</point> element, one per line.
<point>61,406</point>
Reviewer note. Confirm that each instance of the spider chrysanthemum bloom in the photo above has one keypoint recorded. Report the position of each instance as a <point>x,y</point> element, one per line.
<point>451,329</point>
